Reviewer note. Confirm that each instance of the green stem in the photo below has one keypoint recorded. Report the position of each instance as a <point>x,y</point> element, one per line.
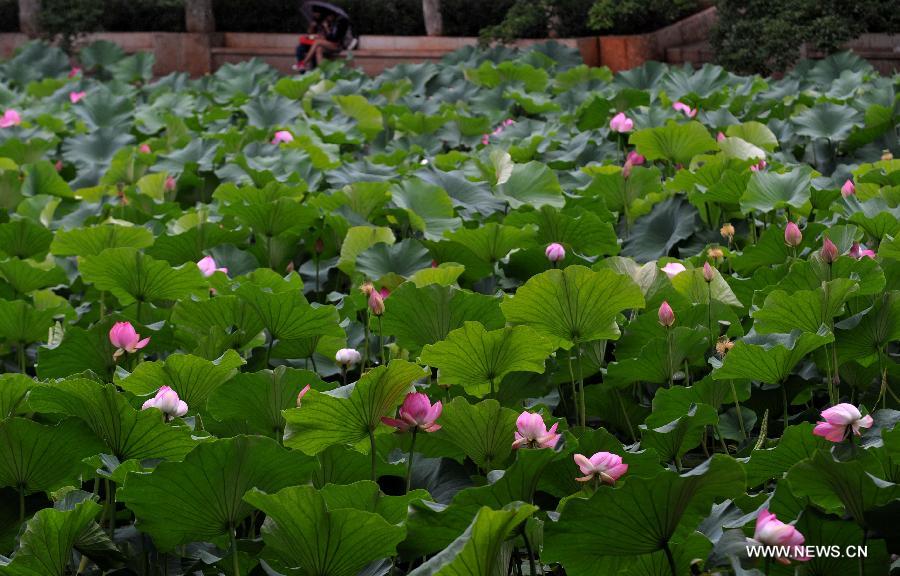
<point>670,558</point>
<point>669,355</point>
<point>625,413</point>
<point>582,410</point>
<point>317,278</point>
<point>737,406</point>
<point>21,504</point>
<point>365,340</point>
<point>784,401</point>
<point>531,563</point>
<point>102,304</point>
<point>409,463</point>
<point>20,351</point>
<point>269,350</point>
<point>381,342</point>
<point>712,337</point>
<point>235,563</point>
<point>574,386</point>
<point>373,450</point>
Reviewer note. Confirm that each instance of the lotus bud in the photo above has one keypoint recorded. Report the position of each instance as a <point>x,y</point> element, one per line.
<point>666,314</point>
<point>708,272</point>
<point>347,357</point>
<point>531,432</point>
<point>417,413</point>
<point>170,183</point>
<point>207,266</point>
<point>144,148</point>
<point>673,269</point>
<point>829,250</point>
<point>168,402</point>
<point>555,252</point>
<point>771,531</point>
<point>124,337</point>
<point>792,235</point>
<point>10,118</point>
<point>302,394</point>
<point>635,158</point>
<point>75,97</point>
<point>376,303</point>
<point>848,189</point>
<point>720,136</point>
<point>58,165</point>
<point>685,109</point>
<point>858,252</point>
<point>75,71</point>
<point>282,136</point>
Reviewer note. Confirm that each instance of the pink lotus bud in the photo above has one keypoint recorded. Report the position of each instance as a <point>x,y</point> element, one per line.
<point>10,118</point>
<point>555,252</point>
<point>376,303</point>
<point>416,413</point>
<point>708,272</point>
<point>856,251</point>
<point>771,531</point>
<point>508,122</point>
<point>485,139</point>
<point>123,336</point>
<point>207,266</point>
<point>384,292</point>
<point>74,97</point>
<point>144,148</point>
<point>626,170</point>
<point>635,158</point>
<point>531,432</point>
<point>848,189</point>
<point>168,402</point>
<point>758,166</point>
<point>58,165</point>
<point>347,357</point>
<point>605,465</point>
<point>840,421</point>
<point>282,136</point>
<point>720,136</point>
<point>792,235</point>
<point>319,246</point>
<point>673,269</point>
<point>302,394</point>
<point>170,183</point>
<point>829,251</point>
<point>685,109</point>
<point>621,123</point>
<point>75,71</point>
<point>666,314</point>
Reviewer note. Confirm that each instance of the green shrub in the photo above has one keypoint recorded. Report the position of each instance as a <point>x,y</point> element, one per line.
<point>638,16</point>
<point>540,19</point>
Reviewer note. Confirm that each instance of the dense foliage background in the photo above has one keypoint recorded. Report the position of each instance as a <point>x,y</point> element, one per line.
<point>655,307</point>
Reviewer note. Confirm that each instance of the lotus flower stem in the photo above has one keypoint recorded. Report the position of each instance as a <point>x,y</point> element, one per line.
<point>381,342</point>
<point>784,401</point>
<point>409,463</point>
<point>20,351</point>
<point>317,278</point>
<point>531,562</point>
<point>672,568</point>
<point>625,413</point>
<point>574,386</point>
<point>269,351</point>
<point>721,438</point>
<point>235,563</point>
<point>102,301</point>
<point>582,412</point>
<point>737,407</point>
<point>365,361</point>
<point>373,450</point>
<point>669,356</point>
<point>712,337</point>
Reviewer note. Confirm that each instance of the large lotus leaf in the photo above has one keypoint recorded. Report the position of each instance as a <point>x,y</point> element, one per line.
<point>324,419</point>
<point>477,359</point>
<point>694,286</point>
<point>470,197</point>
<point>770,249</point>
<point>137,67</point>
<point>366,495</point>
<point>755,133</point>
<point>344,544</point>
<point>532,184</point>
<point>805,310</point>
<point>404,259</point>
<point>80,350</point>
<point>100,54</point>
<point>428,207</point>
<point>23,238</point>
<point>827,120</point>
<point>492,75</point>
<point>207,488</point>
<point>21,322</point>
<point>128,433</point>
<point>253,403</point>
<point>273,216</point>
<point>769,191</point>
<point>134,277</point>
<point>674,439</point>
<point>35,61</point>
<point>195,379</point>
<point>13,388</point>
<point>270,111</point>
<point>492,242</point>
<point>573,305</point>
<point>358,240</point>
<point>633,196</point>
<point>641,516</point>
<point>25,277</point>
<point>476,552</point>
<point>863,336</point>
<point>675,143</point>
<point>771,357</point>
<point>425,315</point>
<point>876,217</point>
<point>586,233</point>
<point>653,363</point>
<point>654,235</point>
<point>194,243</point>
<point>36,457</point>
<point>825,530</point>
<point>796,444</point>
<point>104,109</point>
<point>45,547</point>
<point>230,318</point>
<point>733,147</point>
<point>287,315</point>
<point>93,240</point>
<point>811,274</point>
<point>368,117</point>
<point>484,431</point>
<point>840,487</point>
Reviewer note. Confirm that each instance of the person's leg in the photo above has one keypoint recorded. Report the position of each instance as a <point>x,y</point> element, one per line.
<point>326,47</point>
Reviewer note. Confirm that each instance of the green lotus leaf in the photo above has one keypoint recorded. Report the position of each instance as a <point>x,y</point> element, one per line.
<point>769,191</point>
<point>24,277</point>
<point>586,233</point>
<point>633,196</point>
<point>654,235</point>
<point>675,143</point>
<point>493,242</point>
<point>805,310</point>
<point>24,239</point>
<point>755,133</point>
<point>827,120</point>
<point>796,444</point>
<point>478,360</point>
<point>484,431</point>
<point>653,363</point>
<point>368,118</point>
<point>573,305</point>
<point>532,184</point>
<point>208,488</point>
<point>404,258</point>
<point>358,240</point>
<point>674,439</point>
<point>287,315</point>
<point>93,240</point>
<point>863,336</point>
<point>420,315</point>
<point>324,419</point>
<point>771,357</point>
<point>21,322</point>
<point>428,207</point>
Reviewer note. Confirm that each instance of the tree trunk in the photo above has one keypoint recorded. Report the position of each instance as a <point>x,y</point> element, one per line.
<point>29,17</point>
<point>431,9</point>
<point>198,16</point>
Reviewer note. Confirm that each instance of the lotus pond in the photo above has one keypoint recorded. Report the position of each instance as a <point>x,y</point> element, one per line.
<point>499,315</point>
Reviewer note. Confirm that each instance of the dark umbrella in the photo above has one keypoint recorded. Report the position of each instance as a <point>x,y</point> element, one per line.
<point>309,5</point>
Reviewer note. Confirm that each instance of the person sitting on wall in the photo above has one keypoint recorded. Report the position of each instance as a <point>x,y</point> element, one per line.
<point>326,37</point>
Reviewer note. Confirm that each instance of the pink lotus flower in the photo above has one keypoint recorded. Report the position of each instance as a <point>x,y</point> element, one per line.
<point>10,118</point>
<point>531,432</point>
<point>665,314</point>
<point>302,394</point>
<point>829,251</point>
<point>347,357</point>
<point>605,465</point>
<point>758,166</point>
<point>708,272</point>
<point>167,401</point>
<point>144,148</point>
<point>417,413</point>
<point>75,97</point>
<point>771,531</point>
<point>170,183</point>
<point>75,71</point>
<point>555,252</point>
<point>856,251</point>
<point>840,421</point>
<point>792,235</point>
<point>848,189</point>
<point>376,302</point>
<point>685,109</point>
<point>384,292</point>
<point>621,123</point>
<point>282,136</point>
<point>58,165</point>
<point>720,136</point>
<point>485,139</point>
<point>634,158</point>
<point>123,336</point>
<point>673,269</point>
<point>207,266</point>
<point>508,122</point>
